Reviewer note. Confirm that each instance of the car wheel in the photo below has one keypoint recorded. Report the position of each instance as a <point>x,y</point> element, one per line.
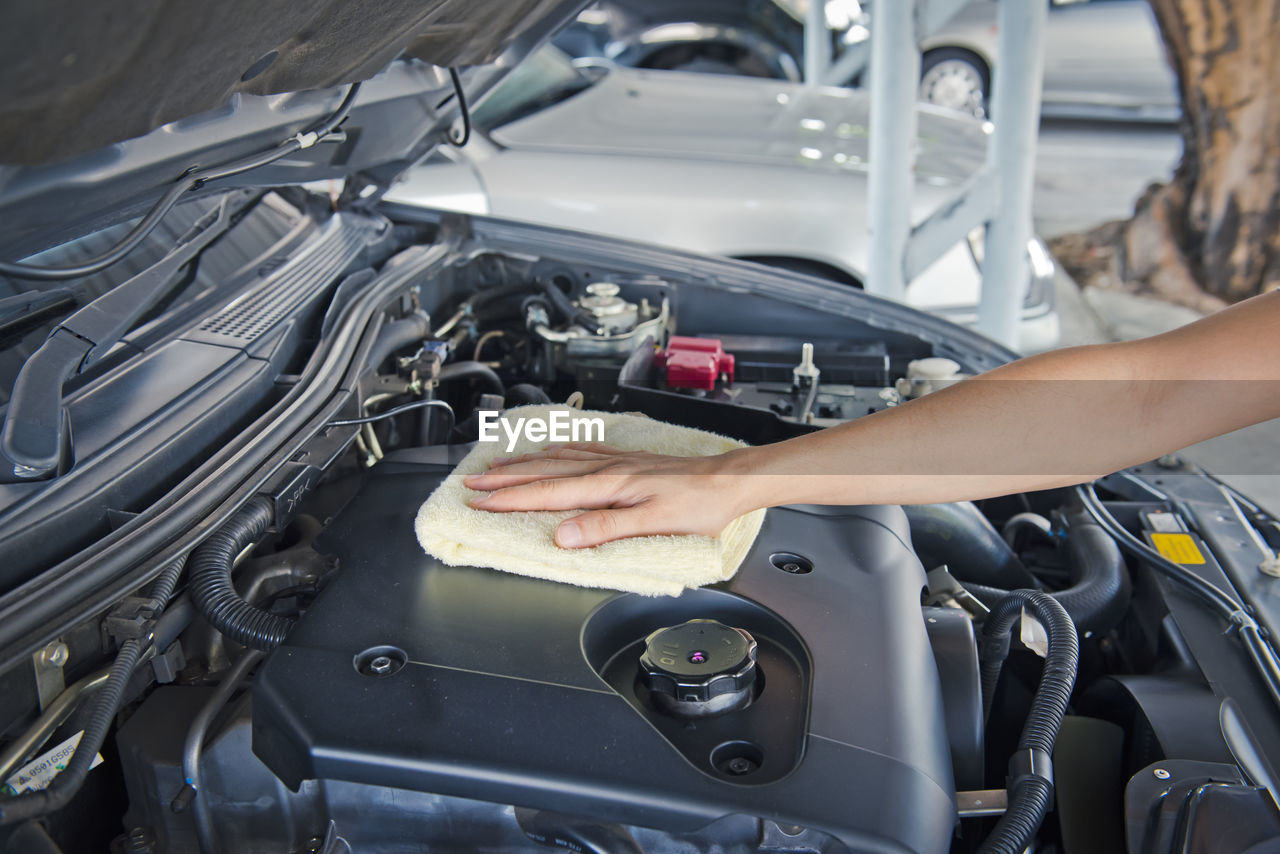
<point>955,79</point>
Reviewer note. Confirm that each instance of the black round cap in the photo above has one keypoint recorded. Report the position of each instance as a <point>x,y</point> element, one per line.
<point>699,667</point>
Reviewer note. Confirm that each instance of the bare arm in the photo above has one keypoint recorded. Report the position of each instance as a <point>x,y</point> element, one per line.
<point>1050,420</point>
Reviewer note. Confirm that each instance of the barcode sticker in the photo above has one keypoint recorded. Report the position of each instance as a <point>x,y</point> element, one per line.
<point>39,772</point>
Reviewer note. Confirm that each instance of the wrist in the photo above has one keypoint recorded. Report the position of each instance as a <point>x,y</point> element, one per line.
<point>740,481</point>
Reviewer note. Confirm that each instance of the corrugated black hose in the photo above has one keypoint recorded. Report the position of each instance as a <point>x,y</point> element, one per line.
<point>1030,780</point>
<point>103,709</point>
<point>212,592</point>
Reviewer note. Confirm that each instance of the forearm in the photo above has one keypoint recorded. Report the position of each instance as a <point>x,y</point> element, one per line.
<point>1052,420</point>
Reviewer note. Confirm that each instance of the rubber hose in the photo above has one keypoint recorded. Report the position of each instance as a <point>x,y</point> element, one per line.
<point>1029,794</point>
<point>958,535</point>
<point>67,783</point>
<point>1018,521</point>
<point>495,303</point>
<point>193,748</point>
<point>212,592</point>
<point>525,393</point>
<point>565,306</point>
<point>397,335</point>
<point>1098,597</point>
<point>472,370</point>
<point>1028,805</point>
<point>481,298</point>
<point>162,588</point>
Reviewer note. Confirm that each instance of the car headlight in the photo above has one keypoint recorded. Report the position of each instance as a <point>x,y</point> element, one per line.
<point>1040,267</point>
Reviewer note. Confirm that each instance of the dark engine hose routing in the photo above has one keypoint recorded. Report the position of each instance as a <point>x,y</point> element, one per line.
<point>472,370</point>
<point>958,535</point>
<point>1098,597</point>
<point>212,592</point>
<point>1030,776</point>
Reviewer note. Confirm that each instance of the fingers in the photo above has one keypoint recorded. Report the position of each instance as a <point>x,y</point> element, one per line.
<point>570,493</point>
<point>602,526</point>
<point>571,451</point>
<point>532,470</point>
<point>557,454</point>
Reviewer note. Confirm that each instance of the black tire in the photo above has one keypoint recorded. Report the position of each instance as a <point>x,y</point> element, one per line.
<point>975,63</point>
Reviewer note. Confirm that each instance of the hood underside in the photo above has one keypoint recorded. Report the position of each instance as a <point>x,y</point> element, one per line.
<point>79,75</point>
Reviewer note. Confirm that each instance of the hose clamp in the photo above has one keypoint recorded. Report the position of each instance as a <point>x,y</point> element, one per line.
<point>1030,762</point>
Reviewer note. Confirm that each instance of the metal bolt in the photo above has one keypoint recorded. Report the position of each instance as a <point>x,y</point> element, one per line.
<point>55,654</point>
<point>139,839</point>
<point>791,567</point>
<point>380,665</point>
<point>1161,774</point>
<point>740,765</point>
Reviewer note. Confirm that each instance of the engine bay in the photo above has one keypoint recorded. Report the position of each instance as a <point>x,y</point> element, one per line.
<point>873,678</point>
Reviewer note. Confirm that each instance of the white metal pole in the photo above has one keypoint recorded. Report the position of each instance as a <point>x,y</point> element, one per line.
<point>817,43</point>
<point>1015,110</point>
<point>895,76</point>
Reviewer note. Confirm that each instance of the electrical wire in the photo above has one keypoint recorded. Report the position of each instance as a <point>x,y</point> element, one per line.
<point>1261,653</point>
<point>391,413</point>
<point>192,179</point>
<point>462,108</point>
<point>102,711</point>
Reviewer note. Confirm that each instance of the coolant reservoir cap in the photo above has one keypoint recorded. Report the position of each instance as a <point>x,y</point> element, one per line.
<point>699,668</point>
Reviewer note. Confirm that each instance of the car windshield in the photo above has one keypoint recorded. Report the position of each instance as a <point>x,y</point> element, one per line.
<point>545,78</point>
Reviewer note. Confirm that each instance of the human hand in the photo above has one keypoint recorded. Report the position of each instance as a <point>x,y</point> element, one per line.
<point>626,493</point>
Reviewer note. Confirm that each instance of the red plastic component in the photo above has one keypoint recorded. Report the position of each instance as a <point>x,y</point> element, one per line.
<point>695,362</point>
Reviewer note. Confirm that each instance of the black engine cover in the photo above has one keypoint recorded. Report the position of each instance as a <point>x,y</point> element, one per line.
<point>520,691</point>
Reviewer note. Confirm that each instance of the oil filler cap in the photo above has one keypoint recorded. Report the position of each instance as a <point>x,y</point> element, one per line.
<point>699,668</point>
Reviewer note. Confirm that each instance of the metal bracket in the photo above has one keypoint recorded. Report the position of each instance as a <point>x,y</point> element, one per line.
<point>47,664</point>
<point>981,803</point>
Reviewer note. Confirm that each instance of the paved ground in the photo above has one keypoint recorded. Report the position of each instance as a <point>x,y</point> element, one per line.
<point>1090,173</point>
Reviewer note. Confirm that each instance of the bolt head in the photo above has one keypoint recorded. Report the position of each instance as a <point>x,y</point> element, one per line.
<point>55,654</point>
<point>1161,774</point>
<point>380,665</point>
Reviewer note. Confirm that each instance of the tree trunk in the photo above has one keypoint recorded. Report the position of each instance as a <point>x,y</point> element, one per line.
<point>1211,235</point>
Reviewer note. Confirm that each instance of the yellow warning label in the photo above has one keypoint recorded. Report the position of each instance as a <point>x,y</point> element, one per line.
<point>1179,548</point>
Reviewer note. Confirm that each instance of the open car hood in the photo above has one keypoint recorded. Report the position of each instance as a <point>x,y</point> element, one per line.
<point>107,103</point>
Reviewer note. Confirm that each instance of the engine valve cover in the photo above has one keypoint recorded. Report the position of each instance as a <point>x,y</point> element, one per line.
<point>524,692</point>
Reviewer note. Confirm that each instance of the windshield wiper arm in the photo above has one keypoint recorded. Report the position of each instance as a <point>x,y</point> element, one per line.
<point>33,430</point>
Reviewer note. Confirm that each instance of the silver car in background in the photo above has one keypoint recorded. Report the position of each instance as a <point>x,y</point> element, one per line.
<point>749,168</point>
<point>1103,59</point>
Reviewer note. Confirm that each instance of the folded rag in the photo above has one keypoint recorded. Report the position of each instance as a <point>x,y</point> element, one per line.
<point>523,542</point>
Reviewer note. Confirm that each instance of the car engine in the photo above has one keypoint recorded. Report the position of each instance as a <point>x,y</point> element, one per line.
<point>488,690</point>
<point>929,679</point>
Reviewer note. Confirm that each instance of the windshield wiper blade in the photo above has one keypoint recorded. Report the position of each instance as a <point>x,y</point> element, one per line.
<point>32,436</point>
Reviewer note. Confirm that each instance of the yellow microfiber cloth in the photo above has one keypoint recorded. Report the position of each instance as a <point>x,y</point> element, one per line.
<point>523,543</point>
